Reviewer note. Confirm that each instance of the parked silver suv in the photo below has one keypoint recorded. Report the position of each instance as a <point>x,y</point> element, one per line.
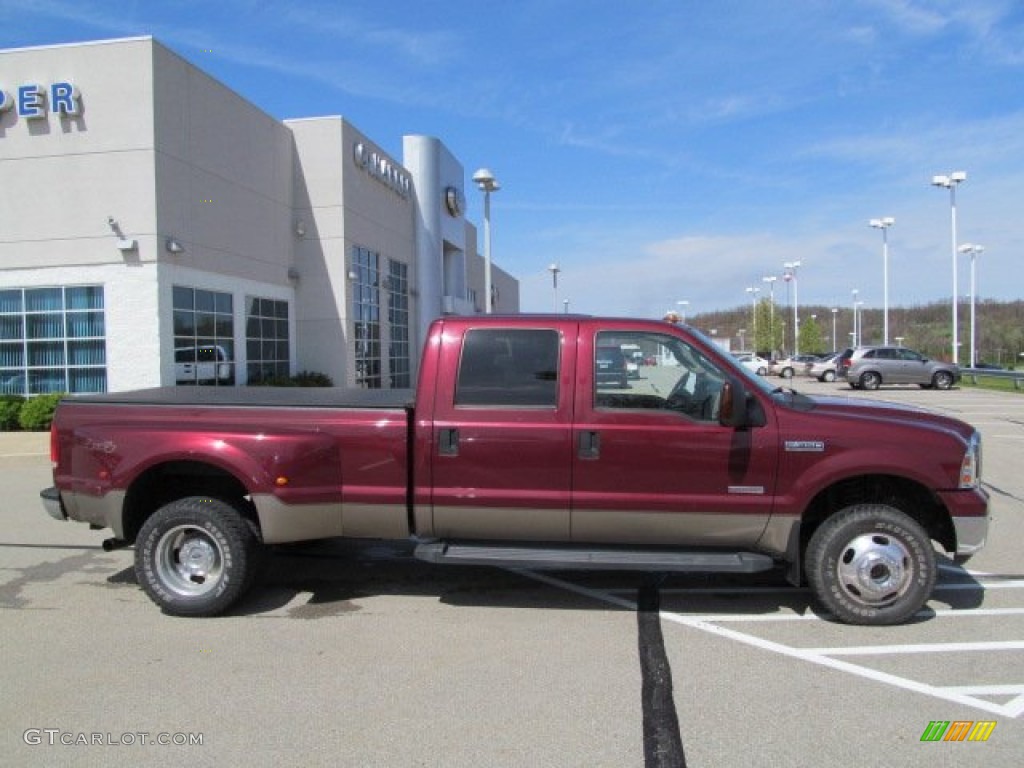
<point>870,367</point>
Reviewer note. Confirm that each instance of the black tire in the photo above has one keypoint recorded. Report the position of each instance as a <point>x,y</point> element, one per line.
<point>828,376</point>
<point>221,545</point>
<point>787,373</point>
<point>762,371</point>
<point>942,380</point>
<point>870,380</point>
<point>871,564</point>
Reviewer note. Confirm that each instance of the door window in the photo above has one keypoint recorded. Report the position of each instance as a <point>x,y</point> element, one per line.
<point>672,375</point>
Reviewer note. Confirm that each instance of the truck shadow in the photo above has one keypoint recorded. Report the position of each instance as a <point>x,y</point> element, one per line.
<point>332,578</point>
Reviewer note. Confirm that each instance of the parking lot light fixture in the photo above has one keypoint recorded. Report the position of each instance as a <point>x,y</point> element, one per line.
<point>835,341</point>
<point>770,279</point>
<point>485,180</point>
<point>682,310</point>
<point>950,182</point>
<point>554,269</point>
<point>753,291</point>
<point>791,268</point>
<point>884,224</point>
<point>973,251</point>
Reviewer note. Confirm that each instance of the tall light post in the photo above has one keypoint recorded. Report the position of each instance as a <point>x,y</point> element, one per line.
<point>753,291</point>
<point>856,332</point>
<point>974,251</point>
<point>950,182</point>
<point>858,321</point>
<point>487,183</point>
<point>682,310</point>
<point>770,279</point>
<point>554,270</point>
<point>835,341</point>
<point>565,303</point>
<point>742,332</point>
<point>884,224</point>
<point>791,268</point>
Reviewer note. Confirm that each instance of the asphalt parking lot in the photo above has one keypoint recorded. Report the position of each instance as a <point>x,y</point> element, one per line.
<point>358,655</point>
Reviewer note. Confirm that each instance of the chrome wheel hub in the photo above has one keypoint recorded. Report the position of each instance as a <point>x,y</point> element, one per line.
<point>875,568</point>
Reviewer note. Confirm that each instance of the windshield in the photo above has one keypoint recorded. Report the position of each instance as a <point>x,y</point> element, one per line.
<point>735,366</point>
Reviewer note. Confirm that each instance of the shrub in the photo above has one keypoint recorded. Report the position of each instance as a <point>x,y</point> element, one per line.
<point>301,379</point>
<point>10,409</point>
<point>312,379</point>
<point>37,412</point>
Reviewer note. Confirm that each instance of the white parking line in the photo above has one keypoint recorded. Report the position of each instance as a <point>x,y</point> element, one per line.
<point>887,650</point>
<point>964,696</point>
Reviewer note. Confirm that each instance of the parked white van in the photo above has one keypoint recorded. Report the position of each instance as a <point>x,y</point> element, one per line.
<point>208,364</point>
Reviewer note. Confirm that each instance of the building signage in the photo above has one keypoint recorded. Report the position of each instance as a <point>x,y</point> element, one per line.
<point>382,169</point>
<point>32,101</point>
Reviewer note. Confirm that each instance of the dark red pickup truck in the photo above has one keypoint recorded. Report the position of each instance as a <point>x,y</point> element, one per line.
<point>524,445</point>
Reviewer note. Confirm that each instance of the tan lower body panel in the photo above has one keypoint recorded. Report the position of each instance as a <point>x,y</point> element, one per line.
<point>282,523</point>
<point>104,511</point>
<point>667,529</point>
<point>501,523</point>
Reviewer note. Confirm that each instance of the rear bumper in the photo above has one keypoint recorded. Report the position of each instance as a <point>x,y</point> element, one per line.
<point>969,512</point>
<point>52,503</point>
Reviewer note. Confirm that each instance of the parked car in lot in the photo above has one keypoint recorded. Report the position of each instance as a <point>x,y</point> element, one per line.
<point>788,367</point>
<point>610,367</point>
<point>823,369</point>
<point>754,363</point>
<point>872,366</point>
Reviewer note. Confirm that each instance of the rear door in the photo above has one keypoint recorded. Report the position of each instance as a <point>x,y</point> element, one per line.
<point>652,464</point>
<point>502,432</point>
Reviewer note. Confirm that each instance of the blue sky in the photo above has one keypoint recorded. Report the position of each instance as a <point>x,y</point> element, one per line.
<point>658,151</point>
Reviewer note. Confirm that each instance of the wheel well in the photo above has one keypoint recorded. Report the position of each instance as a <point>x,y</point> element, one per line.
<point>164,483</point>
<point>905,495</point>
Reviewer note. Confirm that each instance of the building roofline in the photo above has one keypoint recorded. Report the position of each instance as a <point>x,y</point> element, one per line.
<point>80,44</point>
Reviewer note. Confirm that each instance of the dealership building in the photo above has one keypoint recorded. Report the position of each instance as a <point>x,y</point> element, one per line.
<point>156,229</point>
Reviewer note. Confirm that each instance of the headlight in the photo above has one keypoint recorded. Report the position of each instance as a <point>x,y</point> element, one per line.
<point>970,467</point>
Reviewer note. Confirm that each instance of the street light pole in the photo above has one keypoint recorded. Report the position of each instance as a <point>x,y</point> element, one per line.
<point>770,279</point>
<point>835,341</point>
<point>974,251</point>
<point>682,311</point>
<point>554,270</point>
<point>856,331</point>
<point>950,182</point>
<point>884,224</point>
<point>792,266</point>
<point>753,291</point>
<point>487,183</point>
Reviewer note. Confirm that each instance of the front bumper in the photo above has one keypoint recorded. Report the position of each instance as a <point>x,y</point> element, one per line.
<point>52,503</point>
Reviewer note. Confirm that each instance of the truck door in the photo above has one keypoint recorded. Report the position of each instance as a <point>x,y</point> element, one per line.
<point>651,463</point>
<point>502,434</point>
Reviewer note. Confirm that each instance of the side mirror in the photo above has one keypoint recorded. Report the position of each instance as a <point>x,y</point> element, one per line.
<point>732,406</point>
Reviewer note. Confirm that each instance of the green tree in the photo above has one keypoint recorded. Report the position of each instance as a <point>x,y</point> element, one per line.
<point>768,338</point>
<point>811,342</point>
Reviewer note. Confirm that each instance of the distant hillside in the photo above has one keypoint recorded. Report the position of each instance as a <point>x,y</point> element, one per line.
<point>926,328</point>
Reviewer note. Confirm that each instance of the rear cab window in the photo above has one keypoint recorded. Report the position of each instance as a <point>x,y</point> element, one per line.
<point>509,367</point>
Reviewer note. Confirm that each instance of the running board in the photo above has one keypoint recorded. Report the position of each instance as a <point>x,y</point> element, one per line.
<point>542,556</point>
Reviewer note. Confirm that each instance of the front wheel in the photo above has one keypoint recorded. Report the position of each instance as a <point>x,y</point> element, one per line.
<point>871,564</point>
<point>870,380</point>
<point>942,380</point>
<point>828,376</point>
<point>196,556</point>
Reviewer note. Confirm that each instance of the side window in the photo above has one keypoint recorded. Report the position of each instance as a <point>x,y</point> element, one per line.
<point>508,368</point>
<point>909,354</point>
<point>652,371</point>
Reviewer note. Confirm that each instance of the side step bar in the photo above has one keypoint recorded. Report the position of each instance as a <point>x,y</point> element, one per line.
<point>541,556</point>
